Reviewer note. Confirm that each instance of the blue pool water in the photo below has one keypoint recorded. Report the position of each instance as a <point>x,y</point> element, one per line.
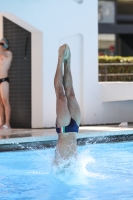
<point>102,172</point>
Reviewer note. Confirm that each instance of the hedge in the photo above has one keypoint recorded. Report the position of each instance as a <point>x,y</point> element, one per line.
<point>114,69</point>
<point>115,59</point>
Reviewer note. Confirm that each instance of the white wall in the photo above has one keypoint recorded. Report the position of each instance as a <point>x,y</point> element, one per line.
<point>37,101</point>
<point>66,21</point>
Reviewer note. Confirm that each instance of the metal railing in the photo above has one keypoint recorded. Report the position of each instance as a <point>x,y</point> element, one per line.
<point>105,76</point>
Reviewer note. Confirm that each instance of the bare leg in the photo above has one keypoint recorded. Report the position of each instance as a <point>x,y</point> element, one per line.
<point>4,90</point>
<point>63,115</point>
<point>69,90</point>
<point>1,112</point>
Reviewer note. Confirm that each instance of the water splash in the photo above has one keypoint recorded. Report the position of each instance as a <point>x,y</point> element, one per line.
<point>74,172</point>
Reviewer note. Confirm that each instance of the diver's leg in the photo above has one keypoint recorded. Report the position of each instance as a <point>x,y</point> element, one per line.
<point>63,115</point>
<point>69,90</point>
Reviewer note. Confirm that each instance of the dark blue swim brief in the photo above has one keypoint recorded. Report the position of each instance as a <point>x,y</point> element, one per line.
<point>72,127</point>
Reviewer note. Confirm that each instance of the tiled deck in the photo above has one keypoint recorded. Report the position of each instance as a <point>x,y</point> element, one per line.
<point>22,138</point>
<point>31,135</point>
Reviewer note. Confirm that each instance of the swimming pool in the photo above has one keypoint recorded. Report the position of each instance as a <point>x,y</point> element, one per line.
<point>102,172</point>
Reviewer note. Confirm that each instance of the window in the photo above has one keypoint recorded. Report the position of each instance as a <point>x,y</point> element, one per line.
<point>106,11</point>
<point>106,44</point>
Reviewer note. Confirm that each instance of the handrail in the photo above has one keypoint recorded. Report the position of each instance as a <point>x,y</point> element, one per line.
<point>110,64</point>
<point>122,74</point>
<point>106,74</point>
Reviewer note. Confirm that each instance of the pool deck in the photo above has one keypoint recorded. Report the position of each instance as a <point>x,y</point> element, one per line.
<point>18,139</point>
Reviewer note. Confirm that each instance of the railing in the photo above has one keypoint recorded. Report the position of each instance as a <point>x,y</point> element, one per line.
<point>104,75</point>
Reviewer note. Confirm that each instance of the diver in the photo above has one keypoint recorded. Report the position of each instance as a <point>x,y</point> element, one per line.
<point>67,109</point>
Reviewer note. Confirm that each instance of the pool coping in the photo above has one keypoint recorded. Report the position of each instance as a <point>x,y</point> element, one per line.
<point>27,139</point>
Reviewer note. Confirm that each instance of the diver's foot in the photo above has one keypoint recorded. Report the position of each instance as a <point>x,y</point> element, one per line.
<point>64,52</point>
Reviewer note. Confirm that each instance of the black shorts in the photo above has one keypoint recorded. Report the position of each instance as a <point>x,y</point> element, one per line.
<point>4,79</point>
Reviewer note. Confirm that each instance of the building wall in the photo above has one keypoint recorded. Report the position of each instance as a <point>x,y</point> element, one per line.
<point>76,24</point>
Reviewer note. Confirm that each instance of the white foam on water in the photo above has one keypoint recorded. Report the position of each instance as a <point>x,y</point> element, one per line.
<point>37,172</point>
<point>74,171</point>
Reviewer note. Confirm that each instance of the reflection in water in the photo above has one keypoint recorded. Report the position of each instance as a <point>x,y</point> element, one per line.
<point>4,136</point>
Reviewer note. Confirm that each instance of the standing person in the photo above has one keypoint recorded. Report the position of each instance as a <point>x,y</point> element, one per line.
<point>5,63</point>
<point>67,109</point>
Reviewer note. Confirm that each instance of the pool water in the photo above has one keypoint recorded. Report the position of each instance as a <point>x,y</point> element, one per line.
<point>102,172</point>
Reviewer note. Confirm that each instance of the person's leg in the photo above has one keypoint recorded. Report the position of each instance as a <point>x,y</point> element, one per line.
<point>4,90</point>
<point>1,111</point>
<point>63,115</point>
<point>69,90</point>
